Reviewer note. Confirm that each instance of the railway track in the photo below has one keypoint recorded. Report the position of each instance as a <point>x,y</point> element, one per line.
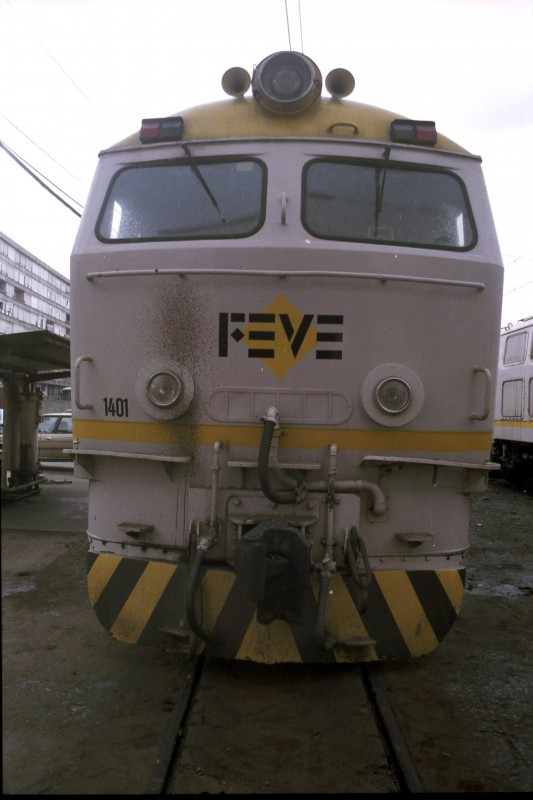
<point>244,728</point>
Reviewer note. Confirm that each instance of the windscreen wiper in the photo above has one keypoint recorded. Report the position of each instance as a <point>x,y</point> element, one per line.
<point>194,167</point>
<point>381,174</point>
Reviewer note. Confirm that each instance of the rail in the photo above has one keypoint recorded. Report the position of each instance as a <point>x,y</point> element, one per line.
<point>282,274</point>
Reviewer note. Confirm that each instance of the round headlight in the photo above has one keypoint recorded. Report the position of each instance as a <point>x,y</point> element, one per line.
<point>286,81</point>
<point>164,389</point>
<point>393,395</point>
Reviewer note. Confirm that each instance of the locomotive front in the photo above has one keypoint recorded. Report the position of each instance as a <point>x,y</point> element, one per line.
<point>282,395</point>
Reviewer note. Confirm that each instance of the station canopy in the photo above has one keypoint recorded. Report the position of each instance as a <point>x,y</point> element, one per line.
<point>40,355</point>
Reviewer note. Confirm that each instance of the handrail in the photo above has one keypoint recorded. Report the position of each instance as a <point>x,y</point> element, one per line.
<point>265,273</point>
<point>488,392</point>
<point>77,395</point>
<point>141,456</point>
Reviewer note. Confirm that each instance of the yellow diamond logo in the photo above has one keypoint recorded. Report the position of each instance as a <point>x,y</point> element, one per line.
<point>280,336</point>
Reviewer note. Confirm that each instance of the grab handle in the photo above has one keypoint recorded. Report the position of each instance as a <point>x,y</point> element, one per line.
<point>488,392</point>
<point>77,393</point>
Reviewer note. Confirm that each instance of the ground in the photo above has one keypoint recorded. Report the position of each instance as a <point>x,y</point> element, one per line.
<point>83,714</point>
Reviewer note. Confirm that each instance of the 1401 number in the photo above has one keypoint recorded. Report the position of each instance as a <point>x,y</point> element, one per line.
<point>116,406</point>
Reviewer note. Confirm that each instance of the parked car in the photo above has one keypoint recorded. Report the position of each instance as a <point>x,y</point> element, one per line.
<point>54,434</point>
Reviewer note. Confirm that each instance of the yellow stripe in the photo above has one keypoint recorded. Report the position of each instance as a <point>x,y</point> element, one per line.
<point>297,438</point>
<point>216,586</point>
<point>513,423</point>
<point>453,586</point>
<point>136,612</point>
<point>100,574</point>
<point>269,644</point>
<point>260,642</point>
<point>407,611</point>
<point>342,617</point>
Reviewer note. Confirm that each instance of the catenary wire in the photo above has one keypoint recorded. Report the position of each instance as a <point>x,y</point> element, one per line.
<point>34,175</point>
<point>43,151</point>
<point>56,62</point>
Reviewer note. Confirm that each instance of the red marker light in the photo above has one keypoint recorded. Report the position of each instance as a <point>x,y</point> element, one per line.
<point>412,131</point>
<point>149,130</point>
<point>165,129</point>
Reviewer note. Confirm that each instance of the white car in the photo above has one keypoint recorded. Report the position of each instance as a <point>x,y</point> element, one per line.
<point>54,434</point>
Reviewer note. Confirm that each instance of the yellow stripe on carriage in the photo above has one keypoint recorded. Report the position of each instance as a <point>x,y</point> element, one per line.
<point>100,574</point>
<point>144,597</point>
<point>513,423</point>
<point>216,586</point>
<point>453,586</point>
<point>407,611</point>
<point>269,644</point>
<point>343,621</point>
<point>168,433</point>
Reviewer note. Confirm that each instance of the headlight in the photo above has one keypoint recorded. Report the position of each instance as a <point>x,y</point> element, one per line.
<point>288,82</point>
<point>393,395</point>
<point>164,389</point>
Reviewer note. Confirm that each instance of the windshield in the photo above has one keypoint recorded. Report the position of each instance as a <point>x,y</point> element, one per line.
<point>185,200</point>
<point>47,424</point>
<point>391,203</point>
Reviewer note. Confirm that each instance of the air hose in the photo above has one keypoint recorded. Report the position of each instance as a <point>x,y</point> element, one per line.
<point>264,453</point>
<point>194,580</point>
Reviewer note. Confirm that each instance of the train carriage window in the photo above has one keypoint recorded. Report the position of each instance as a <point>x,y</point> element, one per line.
<point>180,200</point>
<point>390,203</point>
<point>530,412</point>
<point>512,399</point>
<point>515,348</point>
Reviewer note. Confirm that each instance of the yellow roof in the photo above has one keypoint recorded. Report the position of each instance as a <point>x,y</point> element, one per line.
<point>242,118</point>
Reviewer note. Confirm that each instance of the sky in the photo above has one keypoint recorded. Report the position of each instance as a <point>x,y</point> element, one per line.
<point>76,76</point>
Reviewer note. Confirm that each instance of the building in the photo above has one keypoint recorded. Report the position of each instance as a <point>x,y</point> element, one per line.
<point>33,296</point>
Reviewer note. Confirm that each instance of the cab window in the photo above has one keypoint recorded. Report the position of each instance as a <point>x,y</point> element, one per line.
<point>203,199</point>
<point>386,202</point>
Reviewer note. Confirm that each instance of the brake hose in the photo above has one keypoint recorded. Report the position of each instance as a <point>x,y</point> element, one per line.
<point>264,453</point>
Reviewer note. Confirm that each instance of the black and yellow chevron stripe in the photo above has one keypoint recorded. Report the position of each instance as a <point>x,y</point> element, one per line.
<point>408,613</point>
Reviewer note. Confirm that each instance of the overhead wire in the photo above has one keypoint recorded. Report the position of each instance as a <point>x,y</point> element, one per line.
<point>514,261</point>
<point>43,181</point>
<point>43,151</point>
<point>34,174</point>
<point>289,26</point>
<point>56,62</point>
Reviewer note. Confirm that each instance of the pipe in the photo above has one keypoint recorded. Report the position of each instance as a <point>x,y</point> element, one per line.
<point>269,423</point>
<point>327,641</point>
<point>355,544</point>
<point>190,611</point>
<point>14,489</point>
<point>351,486</point>
<point>201,549</point>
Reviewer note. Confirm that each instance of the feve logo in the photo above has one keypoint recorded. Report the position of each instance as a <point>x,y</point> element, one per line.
<point>281,335</point>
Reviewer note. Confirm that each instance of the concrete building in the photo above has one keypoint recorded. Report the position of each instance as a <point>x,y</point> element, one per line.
<point>33,296</point>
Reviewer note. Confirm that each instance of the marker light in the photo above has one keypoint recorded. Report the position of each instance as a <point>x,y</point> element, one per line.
<point>412,131</point>
<point>167,129</point>
<point>163,389</point>
<point>286,82</point>
<point>393,395</point>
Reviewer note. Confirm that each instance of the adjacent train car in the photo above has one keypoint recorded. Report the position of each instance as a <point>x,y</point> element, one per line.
<point>285,327</point>
<point>512,446</point>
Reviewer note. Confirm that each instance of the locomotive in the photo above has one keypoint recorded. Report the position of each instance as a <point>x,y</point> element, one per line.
<point>285,326</point>
<point>512,446</point>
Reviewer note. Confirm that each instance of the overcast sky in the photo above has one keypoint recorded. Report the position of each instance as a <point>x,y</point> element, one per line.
<point>78,75</point>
